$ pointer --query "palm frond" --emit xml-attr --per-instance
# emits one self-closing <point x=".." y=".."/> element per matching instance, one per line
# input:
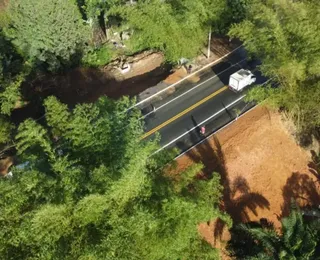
<point x="267" y="238"/>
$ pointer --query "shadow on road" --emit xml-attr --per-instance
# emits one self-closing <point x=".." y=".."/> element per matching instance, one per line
<point x="195" y="124"/>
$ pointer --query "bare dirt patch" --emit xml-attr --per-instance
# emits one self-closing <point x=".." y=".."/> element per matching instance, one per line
<point x="180" y="74"/>
<point x="261" y="167"/>
<point x="87" y="84"/>
<point x="5" y="164"/>
<point x="220" y="46"/>
<point x="147" y="70"/>
<point x="139" y="64"/>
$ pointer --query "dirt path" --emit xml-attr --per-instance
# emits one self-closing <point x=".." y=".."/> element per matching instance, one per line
<point x="261" y="168"/>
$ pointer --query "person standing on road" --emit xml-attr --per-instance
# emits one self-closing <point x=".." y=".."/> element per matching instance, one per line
<point x="202" y="130"/>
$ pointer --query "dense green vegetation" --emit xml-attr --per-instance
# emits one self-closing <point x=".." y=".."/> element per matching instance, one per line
<point x="298" y="239"/>
<point x="50" y="32"/>
<point x="12" y="73"/>
<point x="87" y="188"/>
<point x="178" y="28"/>
<point x="84" y="186"/>
<point x="285" y="35"/>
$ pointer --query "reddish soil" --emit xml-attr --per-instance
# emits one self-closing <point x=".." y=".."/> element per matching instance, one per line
<point x="261" y="167"/>
<point x="5" y="164"/>
<point x="180" y="74"/>
<point x="87" y="85"/>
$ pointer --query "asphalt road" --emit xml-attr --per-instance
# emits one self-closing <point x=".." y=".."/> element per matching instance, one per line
<point x="208" y="103"/>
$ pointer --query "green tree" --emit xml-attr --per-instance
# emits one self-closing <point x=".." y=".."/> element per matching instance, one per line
<point x="5" y="131"/>
<point x="235" y="12"/>
<point x="95" y="9"/>
<point x="298" y="239"/>
<point x="285" y="35"/>
<point x="49" y="32"/>
<point x="12" y="74"/>
<point x="178" y="28"/>
<point x="87" y="188"/>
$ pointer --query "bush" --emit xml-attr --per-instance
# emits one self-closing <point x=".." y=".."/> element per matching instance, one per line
<point x="98" y="56"/>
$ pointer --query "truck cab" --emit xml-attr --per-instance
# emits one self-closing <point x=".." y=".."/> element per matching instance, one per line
<point x="241" y="79"/>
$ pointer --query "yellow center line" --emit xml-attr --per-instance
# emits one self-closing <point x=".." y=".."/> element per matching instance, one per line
<point x="183" y="112"/>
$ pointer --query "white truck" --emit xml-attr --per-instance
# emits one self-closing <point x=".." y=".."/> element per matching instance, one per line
<point x="241" y="79"/>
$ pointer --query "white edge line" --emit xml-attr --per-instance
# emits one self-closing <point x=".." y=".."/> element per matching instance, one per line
<point x="215" y="114"/>
<point x="184" y="93"/>
<point x="213" y="133"/>
<point x="190" y="75"/>
<point x="209" y="136"/>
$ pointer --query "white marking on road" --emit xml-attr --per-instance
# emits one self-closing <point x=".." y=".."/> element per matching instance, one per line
<point x="190" y="75"/>
<point x="209" y="136"/>
<point x="225" y="126"/>
<point x="184" y="93"/>
<point x="204" y="121"/>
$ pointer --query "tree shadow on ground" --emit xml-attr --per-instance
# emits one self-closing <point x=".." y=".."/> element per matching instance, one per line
<point x="237" y="199"/>
<point x="83" y="85"/>
<point x="314" y="165"/>
<point x="88" y="84"/>
<point x="301" y="188"/>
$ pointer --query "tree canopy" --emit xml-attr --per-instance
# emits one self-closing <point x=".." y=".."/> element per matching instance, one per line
<point x="87" y="188"/>
<point x="12" y="72"/>
<point x="178" y="28"/>
<point x="49" y="32"/>
<point x="285" y="36"/>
